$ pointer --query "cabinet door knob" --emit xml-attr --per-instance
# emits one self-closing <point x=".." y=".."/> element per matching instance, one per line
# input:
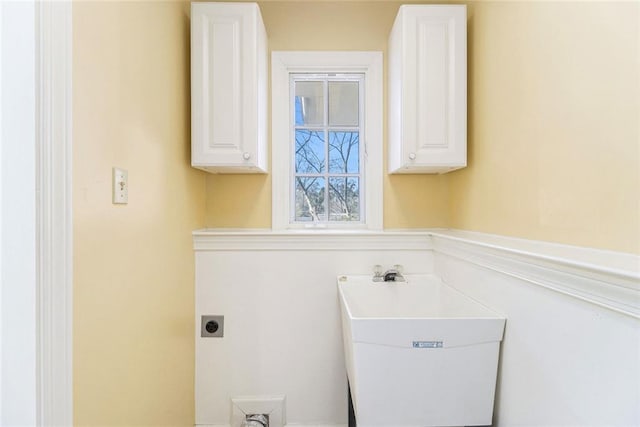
<point x="412" y="156"/>
<point x="246" y="155"/>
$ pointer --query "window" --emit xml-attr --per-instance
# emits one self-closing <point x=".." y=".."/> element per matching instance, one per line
<point x="327" y="170"/>
<point x="327" y="140"/>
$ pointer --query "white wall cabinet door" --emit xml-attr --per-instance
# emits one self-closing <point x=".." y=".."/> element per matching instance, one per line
<point x="228" y="88"/>
<point x="428" y="89"/>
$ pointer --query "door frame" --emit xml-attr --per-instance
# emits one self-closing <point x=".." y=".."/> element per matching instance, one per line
<point x="36" y="222"/>
<point x="54" y="210"/>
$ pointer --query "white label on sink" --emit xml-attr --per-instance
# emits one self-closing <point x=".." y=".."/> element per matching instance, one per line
<point x="427" y="344"/>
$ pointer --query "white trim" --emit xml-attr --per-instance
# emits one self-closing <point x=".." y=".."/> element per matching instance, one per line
<point x="612" y="283"/>
<point x="1" y="213"/>
<point x="605" y="278"/>
<point x="54" y="222"/>
<point x="325" y="240"/>
<point x="285" y="63"/>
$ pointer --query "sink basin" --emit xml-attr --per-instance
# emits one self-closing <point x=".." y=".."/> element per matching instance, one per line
<point x="418" y="353"/>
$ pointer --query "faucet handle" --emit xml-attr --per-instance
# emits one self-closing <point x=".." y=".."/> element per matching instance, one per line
<point x="399" y="268"/>
<point x="377" y="270"/>
<point x="378" y="273"/>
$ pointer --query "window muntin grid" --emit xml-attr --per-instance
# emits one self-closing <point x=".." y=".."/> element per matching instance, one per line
<point x="327" y="174"/>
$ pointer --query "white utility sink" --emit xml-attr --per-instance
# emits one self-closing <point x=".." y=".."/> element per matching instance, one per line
<point x="418" y="353"/>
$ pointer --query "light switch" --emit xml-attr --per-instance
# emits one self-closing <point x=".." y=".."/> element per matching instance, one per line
<point x="120" y="186"/>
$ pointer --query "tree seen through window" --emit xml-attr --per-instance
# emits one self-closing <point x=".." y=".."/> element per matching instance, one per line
<point x="328" y="153"/>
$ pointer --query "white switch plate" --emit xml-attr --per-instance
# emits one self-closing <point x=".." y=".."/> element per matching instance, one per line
<point x="120" y="186"/>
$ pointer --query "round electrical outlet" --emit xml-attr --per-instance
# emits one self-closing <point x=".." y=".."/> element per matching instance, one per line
<point x="212" y="326"/>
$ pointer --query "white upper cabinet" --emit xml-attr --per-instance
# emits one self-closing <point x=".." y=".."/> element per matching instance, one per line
<point x="228" y="88"/>
<point x="428" y="89"/>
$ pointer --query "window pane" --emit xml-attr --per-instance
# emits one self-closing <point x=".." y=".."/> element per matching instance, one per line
<point x="309" y="103"/>
<point x="310" y="196"/>
<point x="344" y="199"/>
<point x="343" y="104"/>
<point x="344" y="152"/>
<point x="310" y="151"/>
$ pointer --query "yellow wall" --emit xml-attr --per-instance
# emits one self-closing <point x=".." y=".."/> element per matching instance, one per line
<point x="410" y="200"/>
<point x="553" y="124"/>
<point x="133" y="264"/>
<point x="554" y="155"/>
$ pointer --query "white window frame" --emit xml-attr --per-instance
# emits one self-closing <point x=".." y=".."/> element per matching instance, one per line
<point x="283" y="64"/>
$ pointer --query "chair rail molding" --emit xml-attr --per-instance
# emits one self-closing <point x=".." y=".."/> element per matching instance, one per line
<point x="605" y="278"/>
<point x="267" y="240"/>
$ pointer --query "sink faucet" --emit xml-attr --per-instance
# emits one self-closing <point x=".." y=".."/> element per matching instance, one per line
<point x="392" y="275"/>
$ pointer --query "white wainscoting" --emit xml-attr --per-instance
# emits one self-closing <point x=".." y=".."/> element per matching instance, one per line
<point x="571" y="350"/>
<point x="282" y="331"/>
<point x="570" y="356"/>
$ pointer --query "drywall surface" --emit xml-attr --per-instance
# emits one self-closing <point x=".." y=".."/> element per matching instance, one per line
<point x="554" y="140"/>
<point x="410" y="201"/>
<point x="133" y="264"/>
